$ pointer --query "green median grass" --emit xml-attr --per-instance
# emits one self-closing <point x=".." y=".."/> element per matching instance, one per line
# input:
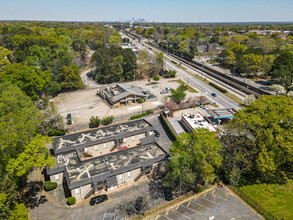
<point x="276" y="199"/>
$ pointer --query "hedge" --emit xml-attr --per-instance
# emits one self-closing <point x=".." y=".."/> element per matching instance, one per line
<point x="141" y="115"/>
<point x="56" y="132"/>
<point x="71" y="200"/>
<point x="168" y="127"/>
<point x="218" y="87"/>
<point x="50" y="185"/>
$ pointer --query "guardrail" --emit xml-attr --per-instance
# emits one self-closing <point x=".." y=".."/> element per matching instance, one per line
<point x="253" y="204"/>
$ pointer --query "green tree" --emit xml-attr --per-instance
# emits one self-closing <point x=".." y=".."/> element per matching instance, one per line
<point x="178" y="95"/>
<point x="4" y="56"/>
<point x="250" y="64"/>
<point x="160" y="61"/>
<point x="19" y="121"/>
<point x="194" y="159"/>
<point x="156" y="77"/>
<point x="30" y="79"/>
<point x="35" y="154"/>
<point x="282" y="69"/>
<point x="115" y="39"/>
<point x="70" y="78"/>
<point x="267" y="123"/>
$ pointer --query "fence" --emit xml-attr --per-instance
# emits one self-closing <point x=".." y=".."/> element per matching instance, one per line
<point x="253" y="204"/>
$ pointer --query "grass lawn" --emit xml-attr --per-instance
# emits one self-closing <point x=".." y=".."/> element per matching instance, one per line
<point x="276" y="199"/>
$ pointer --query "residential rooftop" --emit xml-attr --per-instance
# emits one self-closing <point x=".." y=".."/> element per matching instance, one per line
<point x="86" y="138"/>
<point x="100" y="168"/>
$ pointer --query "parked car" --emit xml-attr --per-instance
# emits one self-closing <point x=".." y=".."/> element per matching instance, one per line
<point x="163" y="92"/>
<point x="155" y="86"/>
<point x="98" y="199"/>
<point x="168" y="89"/>
<point x="157" y="134"/>
<point x="168" y="193"/>
<point x="214" y="94"/>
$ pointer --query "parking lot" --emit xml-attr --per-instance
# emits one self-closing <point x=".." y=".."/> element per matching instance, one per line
<point x="83" y="104"/>
<point x="218" y="203"/>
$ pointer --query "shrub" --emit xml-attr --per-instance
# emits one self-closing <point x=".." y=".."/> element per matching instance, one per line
<point x="71" y="200"/>
<point x="50" y="185"/>
<point x="150" y="112"/>
<point x="140" y="101"/>
<point x="141" y="115"/>
<point x="56" y="132"/>
<point x="218" y="87"/>
<point x="94" y="122"/>
<point x="168" y="127"/>
<point x="156" y="77"/>
<point x="107" y="120"/>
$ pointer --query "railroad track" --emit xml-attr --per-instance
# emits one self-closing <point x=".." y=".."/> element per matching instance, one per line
<point x="234" y="83"/>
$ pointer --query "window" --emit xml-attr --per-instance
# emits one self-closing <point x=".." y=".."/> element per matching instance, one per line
<point x="120" y="177"/>
<point x="133" y="138"/>
<point x="129" y="174"/>
<point x="85" y="149"/>
<point x="77" y="191"/>
<point x="124" y="140"/>
<point x="56" y="177"/>
<point x="96" y="147"/>
<point x="104" y="145"/>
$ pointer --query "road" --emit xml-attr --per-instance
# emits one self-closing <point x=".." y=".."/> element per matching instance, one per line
<point x="221" y="100"/>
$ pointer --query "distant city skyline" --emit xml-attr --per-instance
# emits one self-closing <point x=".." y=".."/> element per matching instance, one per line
<point x="151" y="10"/>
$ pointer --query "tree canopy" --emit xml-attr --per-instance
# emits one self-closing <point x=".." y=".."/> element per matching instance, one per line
<point x="195" y="157"/>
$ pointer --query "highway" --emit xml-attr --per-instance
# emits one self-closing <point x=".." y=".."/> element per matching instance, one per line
<point x="221" y="100"/>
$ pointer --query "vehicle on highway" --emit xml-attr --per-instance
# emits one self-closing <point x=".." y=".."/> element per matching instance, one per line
<point x="214" y="94"/>
<point x="155" y="86"/>
<point x="157" y="134"/>
<point x="98" y="199"/>
<point x="168" y="193"/>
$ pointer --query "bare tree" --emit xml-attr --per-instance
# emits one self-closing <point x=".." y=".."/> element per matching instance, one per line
<point x="136" y="204"/>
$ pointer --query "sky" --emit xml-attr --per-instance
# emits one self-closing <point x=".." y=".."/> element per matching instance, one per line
<point x="150" y="10"/>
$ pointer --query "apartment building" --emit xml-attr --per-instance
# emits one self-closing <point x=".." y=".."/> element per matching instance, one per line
<point x="106" y="158"/>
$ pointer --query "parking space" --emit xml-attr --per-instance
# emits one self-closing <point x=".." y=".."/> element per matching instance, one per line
<point x="218" y="203"/>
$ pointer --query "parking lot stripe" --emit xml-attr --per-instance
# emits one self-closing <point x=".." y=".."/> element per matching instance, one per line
<point x="204" y="195"/>
<point x="166" y="217"/>
<point x="195" y="198"/>
<point x="213" y="191"/>
<point x="181" y="214"/>
<point x="191" y="209"/>
<point x="188" y="204"/>
<point x="200" y="205"/>
<point x="220" y="197"/>
<point x="209" y="200"/>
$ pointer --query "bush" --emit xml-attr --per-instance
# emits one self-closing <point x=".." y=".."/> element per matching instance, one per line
<point x="56" y="132"/>
<point x="71" y="200"/>
<point x="94" y="122"/>
<point x="168" y="127"/>
<point x="218" y="87"/>
<point x="107" y="120"/>
<point x="141" y="115"/>
<point x="150" y="112"/>
<point x="50" y="185"/>
<point x="140" y="101"/>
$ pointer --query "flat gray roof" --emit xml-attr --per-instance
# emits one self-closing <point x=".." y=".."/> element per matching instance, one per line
<point x="100" y="135"/>
<point x="100" y="168"/>
<point x="222" y="113"/>
<point x="118" y="91"/>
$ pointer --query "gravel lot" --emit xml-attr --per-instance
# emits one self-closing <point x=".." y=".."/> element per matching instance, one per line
<point x="83" y="104"/>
